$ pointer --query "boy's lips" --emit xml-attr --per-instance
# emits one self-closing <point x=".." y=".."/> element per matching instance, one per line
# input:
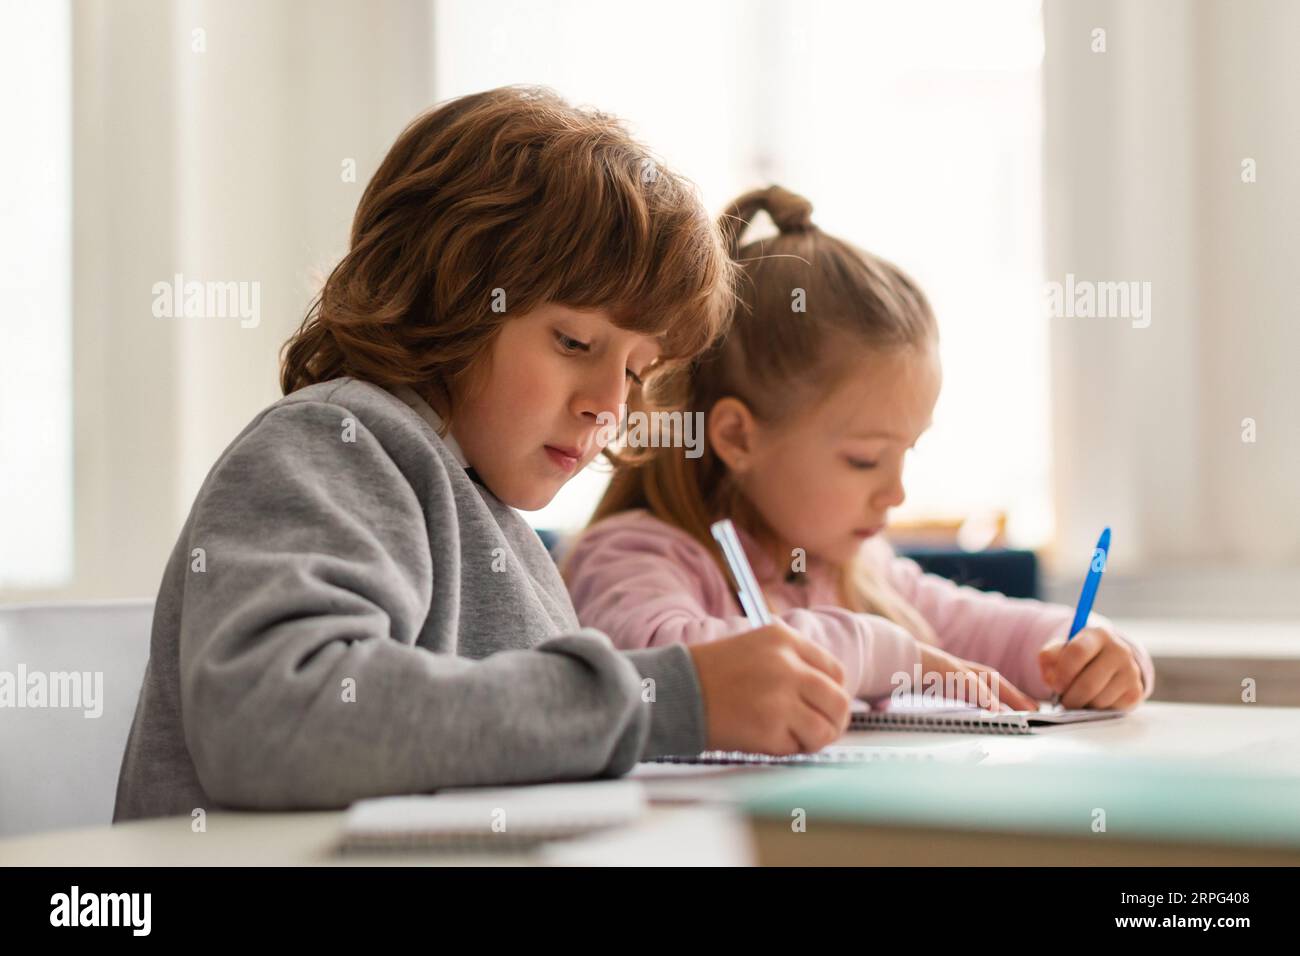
<point x="566" y="458"/>
<point x="868" y="532"/>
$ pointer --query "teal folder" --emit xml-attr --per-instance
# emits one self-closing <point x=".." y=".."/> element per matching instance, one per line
<point x="1124" y="798"/>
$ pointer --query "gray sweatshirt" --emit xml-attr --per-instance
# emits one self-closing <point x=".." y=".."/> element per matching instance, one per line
<point x="348" y="613"/>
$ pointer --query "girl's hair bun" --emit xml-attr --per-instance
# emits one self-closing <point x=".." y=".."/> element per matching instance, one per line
<point x="789" y="211"/>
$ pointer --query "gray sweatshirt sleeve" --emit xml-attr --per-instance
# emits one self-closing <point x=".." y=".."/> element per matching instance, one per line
<point x="301" y="682"/>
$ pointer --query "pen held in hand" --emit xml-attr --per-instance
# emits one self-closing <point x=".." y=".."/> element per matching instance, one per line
<point x="751" y="596"/>
<point x="1090" y="583"/>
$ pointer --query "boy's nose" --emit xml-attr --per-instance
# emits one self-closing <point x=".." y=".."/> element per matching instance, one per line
<point x="604" y="396"/>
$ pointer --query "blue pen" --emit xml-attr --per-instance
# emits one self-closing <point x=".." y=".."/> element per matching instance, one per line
<point x="1090" y="584"/>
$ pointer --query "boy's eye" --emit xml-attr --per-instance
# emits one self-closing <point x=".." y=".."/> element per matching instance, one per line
<point x="569" y="344"/>
<point x="859" y="463"/>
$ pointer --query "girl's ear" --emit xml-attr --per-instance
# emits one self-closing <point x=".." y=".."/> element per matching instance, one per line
<point x="733" y="433"/>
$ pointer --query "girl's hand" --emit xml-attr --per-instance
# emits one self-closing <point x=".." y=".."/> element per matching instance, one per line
<point x="973" y="682"/>
<point x="1096" y="669"/>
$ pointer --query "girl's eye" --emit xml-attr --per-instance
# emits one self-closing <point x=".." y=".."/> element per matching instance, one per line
<point x="634" y="377"/>
<point x="863" y="465"/>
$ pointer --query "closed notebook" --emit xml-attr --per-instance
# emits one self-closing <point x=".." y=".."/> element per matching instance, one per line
<point x="491" y="818"/>
<point x="940" y="715"/>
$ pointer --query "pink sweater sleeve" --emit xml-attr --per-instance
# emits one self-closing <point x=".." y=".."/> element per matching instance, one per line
<point x="646" y="584"/>
<point x="991" y="628"/>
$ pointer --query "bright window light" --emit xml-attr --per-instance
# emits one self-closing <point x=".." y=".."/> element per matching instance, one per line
<point x="917" y="143"/>
<point x="35" y="276"/>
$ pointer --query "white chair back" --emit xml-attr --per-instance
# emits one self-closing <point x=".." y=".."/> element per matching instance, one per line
<point x="70" y="675"/>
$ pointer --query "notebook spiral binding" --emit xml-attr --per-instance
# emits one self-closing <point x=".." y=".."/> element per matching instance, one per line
<point x="983" y="725"/>
<point x="837" y="759"/>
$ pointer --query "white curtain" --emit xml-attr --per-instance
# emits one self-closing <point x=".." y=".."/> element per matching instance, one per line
<point x="210" y="140"/>
<point x="1146" y="146"/>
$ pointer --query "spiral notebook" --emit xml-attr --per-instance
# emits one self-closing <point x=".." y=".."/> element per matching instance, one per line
<point x="839" y="755"/>
<point x="913" y="714"/>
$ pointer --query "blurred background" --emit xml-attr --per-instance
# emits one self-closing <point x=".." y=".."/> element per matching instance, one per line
<point x="989" y="148"/>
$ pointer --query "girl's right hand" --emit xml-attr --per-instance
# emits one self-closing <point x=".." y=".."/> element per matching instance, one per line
<point x="973" y="682"/>
<point x="770" y="691"/>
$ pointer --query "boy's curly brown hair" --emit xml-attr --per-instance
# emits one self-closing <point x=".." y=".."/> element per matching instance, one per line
<point x="513" y="197"/>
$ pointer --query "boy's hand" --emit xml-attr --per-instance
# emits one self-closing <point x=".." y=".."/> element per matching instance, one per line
<point x="1096" y="670"/>
<point x="771" y="691"/>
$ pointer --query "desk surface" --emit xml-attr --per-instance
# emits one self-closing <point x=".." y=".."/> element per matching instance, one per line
<point x="1246" y="735"/>
<point x="682" y="835"/>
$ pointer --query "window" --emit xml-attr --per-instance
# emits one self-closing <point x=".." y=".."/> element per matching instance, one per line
<point x="35" y="273"/>
<point x="917" y="143"/>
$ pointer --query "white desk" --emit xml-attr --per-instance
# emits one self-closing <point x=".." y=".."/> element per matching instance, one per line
<point x="1245" y="735"/>
<point x="668" y="835"/>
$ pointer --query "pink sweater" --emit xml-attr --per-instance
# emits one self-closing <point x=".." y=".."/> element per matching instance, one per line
<point x="646" y="583"/>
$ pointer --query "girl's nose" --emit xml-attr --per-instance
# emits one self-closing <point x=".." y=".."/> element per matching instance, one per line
<point x="892" y="495"/>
